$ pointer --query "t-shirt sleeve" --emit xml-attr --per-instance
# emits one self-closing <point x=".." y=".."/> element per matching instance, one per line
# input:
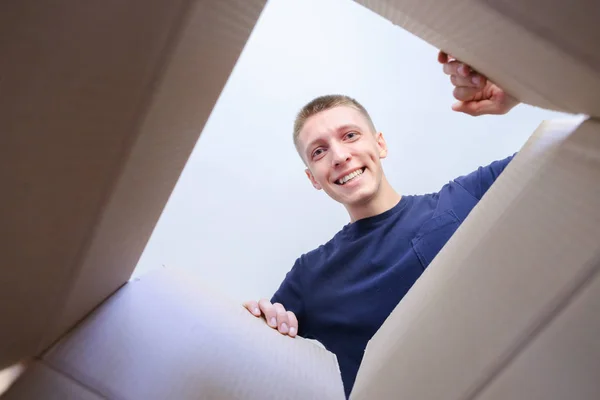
<point x="290" y="294"/>
<point x="479" y="181"/>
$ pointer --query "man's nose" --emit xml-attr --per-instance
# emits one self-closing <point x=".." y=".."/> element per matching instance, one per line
<point x="340" y="155"/>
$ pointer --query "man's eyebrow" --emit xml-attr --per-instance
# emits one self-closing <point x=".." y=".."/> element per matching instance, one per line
<point x="348" y="127"/>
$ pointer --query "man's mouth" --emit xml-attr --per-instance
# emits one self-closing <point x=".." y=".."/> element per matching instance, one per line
<point x="350" y="176"/>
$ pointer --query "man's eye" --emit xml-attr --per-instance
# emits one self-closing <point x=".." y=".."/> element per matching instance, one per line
<point x="317" y="152"/>
<point x="351" y="135"/>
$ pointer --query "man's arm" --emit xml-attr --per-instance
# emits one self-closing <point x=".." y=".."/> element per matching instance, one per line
<point x="480" y="180"/>
<point x="476" y="96"/>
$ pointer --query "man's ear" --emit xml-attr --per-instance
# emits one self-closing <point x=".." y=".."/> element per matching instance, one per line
<point x="312" y="179"/>
<point x="381" y="145"/>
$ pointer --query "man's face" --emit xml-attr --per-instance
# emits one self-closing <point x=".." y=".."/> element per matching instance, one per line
<point x="343" y="155"/>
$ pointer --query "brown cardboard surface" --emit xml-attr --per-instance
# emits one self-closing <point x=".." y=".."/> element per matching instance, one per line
<point x="168" y="336"/>
<point x="42" y="383"/>
<point x="563" y="362"/>
<point x="543" y="52"/>
<point x="523" y="254"/>
<point x="101" y="103"/>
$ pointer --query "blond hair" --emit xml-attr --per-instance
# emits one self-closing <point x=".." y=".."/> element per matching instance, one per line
<point x="323" y="103"/>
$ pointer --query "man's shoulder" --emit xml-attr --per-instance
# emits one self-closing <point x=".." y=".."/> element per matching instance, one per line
<point x="479" y="180"/>
<point x="319" y="254"/>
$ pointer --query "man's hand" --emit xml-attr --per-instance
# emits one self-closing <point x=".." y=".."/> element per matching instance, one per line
<point x="475" y="94"/>
<point x="275" y="315"/>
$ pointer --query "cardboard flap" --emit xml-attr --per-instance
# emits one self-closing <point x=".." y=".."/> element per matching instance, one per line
<point x="167" y="336"/>
<point x="101" y="103"/>
<point x="564" y="360"/>
<point x="523" y="253"/>
<point x="42" y="383"/>
<point x="543" y="52"/>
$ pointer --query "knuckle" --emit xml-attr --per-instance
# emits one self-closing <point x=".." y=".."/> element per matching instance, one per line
<point x="454" y="80"/>
<point x="456" y="93"/>
<point x="292" y="318"/>
<point x="269" y="312"/>
<point x="462" y="93"/>
<point x="282" y="315"/>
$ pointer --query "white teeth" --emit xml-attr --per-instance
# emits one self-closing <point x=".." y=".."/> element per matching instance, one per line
<point x="351" y="175"/>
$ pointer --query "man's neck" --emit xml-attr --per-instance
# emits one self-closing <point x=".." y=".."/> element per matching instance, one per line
<point x="385" y="199"/>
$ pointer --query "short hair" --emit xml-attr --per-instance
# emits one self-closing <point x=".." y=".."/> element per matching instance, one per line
<point x="323" y="103"/>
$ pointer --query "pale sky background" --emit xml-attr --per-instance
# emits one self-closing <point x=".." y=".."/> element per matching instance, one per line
<point x="243" y="210"/>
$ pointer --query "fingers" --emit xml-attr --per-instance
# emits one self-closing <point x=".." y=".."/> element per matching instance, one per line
<point x="484" y="107"/>
<point x="475" y="108"/>
<point x="293" y="324"/>
<point x="475" y="94"/>
<point x="465" y="93"/>
<point x="276" y="316"/>
<point x="463" y="75"/>
<point x="456" y="68"/>
<point x="443" y="57"/>
<point x="474" y="80"/>
<point x="252" y="306"/>
<point x="269" y="312"/>
<point x="283" y="323"/>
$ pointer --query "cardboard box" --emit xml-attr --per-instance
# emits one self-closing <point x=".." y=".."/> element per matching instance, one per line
<point x="104" y="105"/>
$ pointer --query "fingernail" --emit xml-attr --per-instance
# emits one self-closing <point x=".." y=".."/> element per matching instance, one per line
<point x="292" y="331"/>
<point x="284" y="328"/>
<point x="257" y="311"/>
<point x="476" y="80"/>
<point x="273" y="322"/>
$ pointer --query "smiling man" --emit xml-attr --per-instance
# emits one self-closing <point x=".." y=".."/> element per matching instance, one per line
<point x="342" y="292"/>
<point x="338" y="142"/>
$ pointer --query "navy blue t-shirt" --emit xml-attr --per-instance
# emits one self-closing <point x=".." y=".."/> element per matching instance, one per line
<point x="343" y="291"/>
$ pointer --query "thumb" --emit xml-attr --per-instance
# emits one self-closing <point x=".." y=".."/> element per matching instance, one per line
<point x="475" y="108"/>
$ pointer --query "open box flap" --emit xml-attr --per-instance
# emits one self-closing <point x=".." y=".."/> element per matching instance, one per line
<point x="543" y="52"/>
<point x="101" y="104"/>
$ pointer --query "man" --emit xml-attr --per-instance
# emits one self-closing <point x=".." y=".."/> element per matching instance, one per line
<point x="341" y="292"/>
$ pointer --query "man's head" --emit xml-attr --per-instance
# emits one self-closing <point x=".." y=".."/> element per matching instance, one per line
<point x="337" y="141"/>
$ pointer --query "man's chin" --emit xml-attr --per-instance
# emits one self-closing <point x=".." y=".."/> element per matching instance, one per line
<point x="358" y="199"/>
